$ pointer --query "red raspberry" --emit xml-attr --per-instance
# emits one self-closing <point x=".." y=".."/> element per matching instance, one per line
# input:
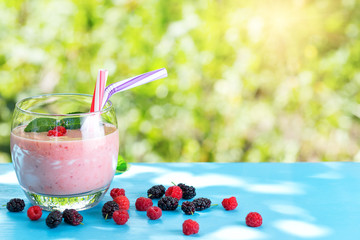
<point x="142" y="203"/>
<point x="120" y="217"/>
<point x="154" y="212"/>
<point x="123" y="202"/>
<point x="190" y="227"/>
<point x="60" y="129"/>
<point x="230" y="203"/>
<point x="55" y="133"/>
<point x="253" y="219"/>
<point x="174" y="191"/>
<point x="34" y="213"/>
<point x="115" y="192"/>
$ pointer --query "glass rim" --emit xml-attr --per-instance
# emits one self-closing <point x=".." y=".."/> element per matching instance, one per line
<point x="60" y="115"/>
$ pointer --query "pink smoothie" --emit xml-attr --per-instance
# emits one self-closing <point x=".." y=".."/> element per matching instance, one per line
<point x="64" y="165"/>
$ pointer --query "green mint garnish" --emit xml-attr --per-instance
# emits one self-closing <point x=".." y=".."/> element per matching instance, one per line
<point x="46" y="124"/>
<point x="41" y="125"/>
<point x="71" y="123"/>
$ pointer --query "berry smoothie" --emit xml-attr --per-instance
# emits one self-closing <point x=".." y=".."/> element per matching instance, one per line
<point x="66" y="165"/>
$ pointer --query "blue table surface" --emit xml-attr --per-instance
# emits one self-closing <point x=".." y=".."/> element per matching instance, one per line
<point x="296" y="201"/>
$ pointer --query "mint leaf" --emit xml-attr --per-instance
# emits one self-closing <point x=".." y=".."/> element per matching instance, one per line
<point x="122" y="165"/>
<point x="71" y="123"/>
<point x="41" y="125"/>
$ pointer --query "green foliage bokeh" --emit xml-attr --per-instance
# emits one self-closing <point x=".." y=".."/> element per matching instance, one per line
<point x="248" y="80"/>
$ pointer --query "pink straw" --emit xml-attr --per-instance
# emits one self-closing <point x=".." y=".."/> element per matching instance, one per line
<point x="132" y="82"/>
<point x="99" y="90"/>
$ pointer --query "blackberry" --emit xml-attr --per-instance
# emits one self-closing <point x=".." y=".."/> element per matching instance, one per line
<point x="15" y="205"/>
<point x="109" y="208"/>
<point x="188" y="191"/>
<point x="54" y="219"/>
<point x="72" y="217"/>
<point x="201" y="203"/>
<point x="188" y="208"/>
<point x="156" y="191"/>
<point x="168" y="203"/>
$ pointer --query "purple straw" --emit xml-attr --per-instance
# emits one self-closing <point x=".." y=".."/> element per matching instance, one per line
<point x="132" y="82"/>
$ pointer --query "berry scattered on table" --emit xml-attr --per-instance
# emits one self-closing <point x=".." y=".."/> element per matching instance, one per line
<point x="54" y="219"/>
<point x="15" y="205"/>
<point x="121" y="217"/>
<point x="229" y="203"/>
<point x="123" y="202"/>
<point x="142" y="203"/>
<point x="201" y="203"/>
<point x="253" y="219"/>
<point x="174" y="191"/>
<point x="168" y="203"/>
<point x="154" y="212"/>
<point x="109" y="208"/>
<point x="34" y="213"/>
<point x="188" y="192"/>
<point x="115" y="192"/>
<point x="190" y="227"/>
<point x="156" y="191"/>
<point x="188" y="208"/>
<point x="72" y="217"/>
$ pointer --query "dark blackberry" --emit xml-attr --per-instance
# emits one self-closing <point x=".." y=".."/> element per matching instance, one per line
<point x="188" y="191"/>
<point x="109" y="208"/>
<point x="72" y="217"/>
<point x="15" y="205"/>
<point x="156" y="191"/>
<point x="201" y="203"/>
<point x="188" y="208"/>
<point x="54" y="219"/>
<point x="168" y="203"/>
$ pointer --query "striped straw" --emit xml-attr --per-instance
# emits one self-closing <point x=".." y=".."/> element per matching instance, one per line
<point x="132" y="82"/>
<point x="99" y="90"/>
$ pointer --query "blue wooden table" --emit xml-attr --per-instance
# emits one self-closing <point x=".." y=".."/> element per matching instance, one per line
<point x="297" y="201"/>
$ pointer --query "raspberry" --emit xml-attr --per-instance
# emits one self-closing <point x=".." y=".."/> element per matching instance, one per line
<point x="55" y="133"/>
<point x="15" y="205"/>
<point x="201" y="203"/>
<point x="109" y="208"/>
<point x="72" y="217"/>
<point x="115" y="192"/>
<point x="54" y="219"/>
<point x="188" y="191"/>
<point x="229" y="203"/>
<point x="121" y="217"/>
<point x="188" y="208"/>
<point x="60" y="129"/>
<point x="34" y="213"/>
<point x="253" y="219"/>
<point x="174" y="191"/>
<point x="154" y="212"/>
<point x="156" y="191"/>
<point x="123" y="202"/>
<point x="168" y="203"/>
<point x="142" y="203"/>
<point x="190" y="227"/>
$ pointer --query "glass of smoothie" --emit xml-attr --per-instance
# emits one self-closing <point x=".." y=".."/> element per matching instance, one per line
<point x="64" y="156"/>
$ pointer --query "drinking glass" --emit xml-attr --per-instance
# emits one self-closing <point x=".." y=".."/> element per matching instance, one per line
<point x="64" y="156"/>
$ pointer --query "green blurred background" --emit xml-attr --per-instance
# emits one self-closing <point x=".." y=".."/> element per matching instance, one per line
<point x="248" y="81"/>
